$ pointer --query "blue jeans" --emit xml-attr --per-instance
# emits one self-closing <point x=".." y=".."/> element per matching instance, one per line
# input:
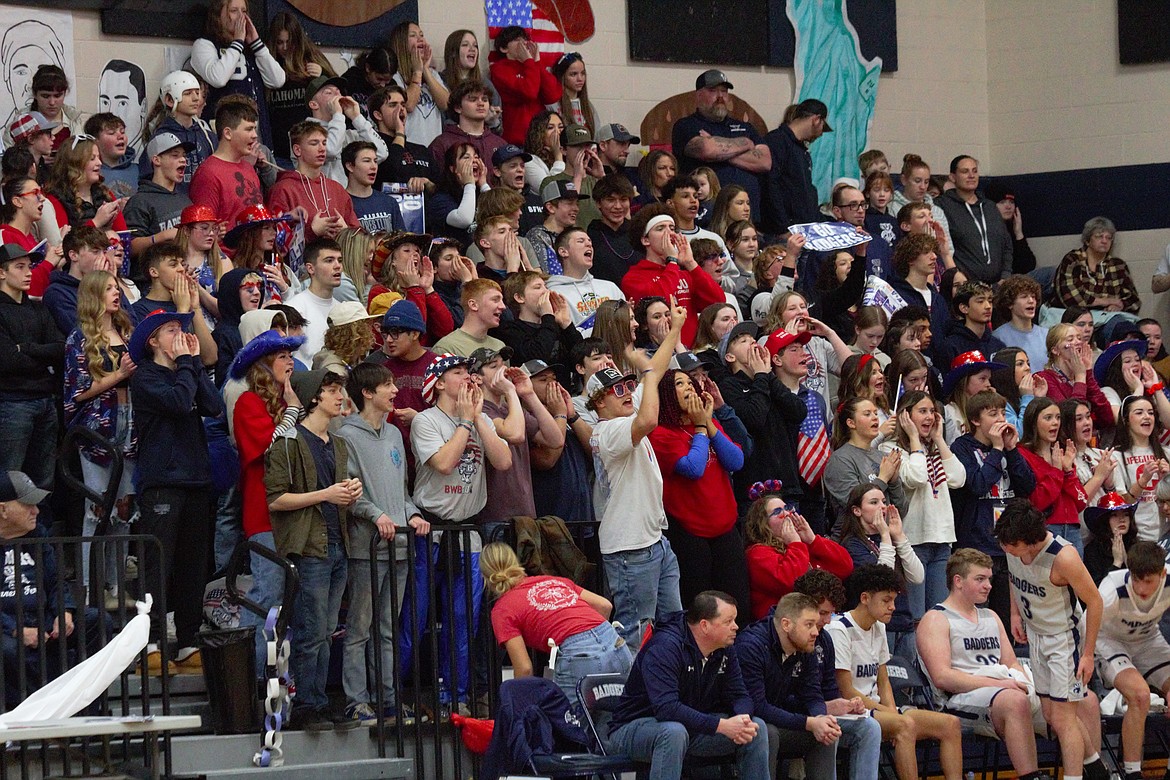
<point x="933" y="589"/>
<point x="862" y="742"/>
<point x="643" y="585"/>
<point x="820" y="761"/>
<point x="595" y="651"/>
<point x="357" y="671"/>
<point x="28" y="439"/>
<point x="229" y="528"/>
<point x="1072" y="533"/>
<point x="449" y="616"/>
<point x="267" y="590"/>
<point x="665" y="745"/>
<point x="314" y="619"/>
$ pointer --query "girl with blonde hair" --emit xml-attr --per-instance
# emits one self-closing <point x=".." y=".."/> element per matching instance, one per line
<point x="536" y="611"/>
<point x="97" y="397"/>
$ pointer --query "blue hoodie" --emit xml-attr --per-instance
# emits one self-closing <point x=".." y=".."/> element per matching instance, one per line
<point x="784" y="691"/>
<point x="670" y="681"/>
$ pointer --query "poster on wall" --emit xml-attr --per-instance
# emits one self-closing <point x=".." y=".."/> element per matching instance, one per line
<point x="122" y="92"/>
<point x="29" y="38"/>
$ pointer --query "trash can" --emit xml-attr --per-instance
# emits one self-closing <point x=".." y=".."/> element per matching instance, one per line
<point x="229" y="670"/>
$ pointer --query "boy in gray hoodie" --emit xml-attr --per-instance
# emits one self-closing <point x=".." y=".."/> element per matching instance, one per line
<point x="377" y="457"/>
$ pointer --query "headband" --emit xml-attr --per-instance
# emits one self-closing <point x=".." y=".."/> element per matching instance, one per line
<point x="865" y="358"/>
<point x="656" y="221"/>
<point x="766" y="488"/>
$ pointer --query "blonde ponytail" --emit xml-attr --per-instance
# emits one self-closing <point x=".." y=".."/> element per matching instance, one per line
<point x="501" y="568"/>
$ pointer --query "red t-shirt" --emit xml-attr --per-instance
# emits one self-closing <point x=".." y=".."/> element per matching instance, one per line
<point x="228" y="188"/>
<point x="253" y="428"/>
<point x="543" y="608"/>
<point x="704" y="507"/>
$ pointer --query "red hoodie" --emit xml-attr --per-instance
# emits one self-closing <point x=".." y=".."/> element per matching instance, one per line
<point x="525" y="89"/>
<point x="695" y="290"/>
<point x="294" y="189"/>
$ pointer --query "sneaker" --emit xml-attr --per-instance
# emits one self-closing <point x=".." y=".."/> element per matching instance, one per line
<point x="1096" y="771"/>
<point x="312" y="720"/>
<point x="409" y="715"/>
<point x="363" y="713"/>
<point x="155" y="665"/>
<point x="189" y="661"/>
<point x="343" y="721"/>
<point x="131" y="567"/>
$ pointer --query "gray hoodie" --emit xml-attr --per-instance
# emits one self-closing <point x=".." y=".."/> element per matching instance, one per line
<point x="584" y="295"/>
<point x="154" y="208"/>
<point x="378" y="459"/>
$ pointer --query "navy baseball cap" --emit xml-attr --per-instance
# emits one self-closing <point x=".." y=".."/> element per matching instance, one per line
<point x="507" y="152"/>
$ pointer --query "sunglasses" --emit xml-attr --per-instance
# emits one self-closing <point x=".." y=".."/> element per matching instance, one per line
<point x="79" y="138"/>
<point x="37" y="193"/>
<point x="624" y="388"/>
<point x="780" y="511"/>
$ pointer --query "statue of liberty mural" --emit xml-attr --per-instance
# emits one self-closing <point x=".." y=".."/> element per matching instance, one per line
<point x="830" y="68"/>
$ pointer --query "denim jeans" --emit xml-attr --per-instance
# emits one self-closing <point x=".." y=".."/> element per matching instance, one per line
<point x="267" y="590"/>
<point x="449" y="616"/>
<point x="594" y="651"/>
<point x="229" y="525"/>
<point x="820" y="761"/>
<point x="933" y="589"/>
<point x="357" y="671"/>
<point x="665" y="745"/>
<point x="28" y="439"/>
<point x="97" y="477"/>
<point x="1072" y="533"/>
<point x="643" y="585"/>
<point x="314" y="619"/>
<point x="861" y="740"/>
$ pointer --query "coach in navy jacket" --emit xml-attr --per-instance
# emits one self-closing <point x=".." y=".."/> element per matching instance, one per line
<point x="780" y="669"/>
<point x="685" y="694"/>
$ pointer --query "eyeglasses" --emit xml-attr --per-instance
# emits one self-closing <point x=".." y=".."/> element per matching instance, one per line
<point x="624" y="388"/>
<point x="852" y="206"/>
<point x="79" y="138"/>
<point x="393" y="333"/>
<point x="204" y="227"/>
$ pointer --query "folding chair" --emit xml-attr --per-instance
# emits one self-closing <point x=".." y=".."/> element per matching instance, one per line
<point x="599" y="695"/>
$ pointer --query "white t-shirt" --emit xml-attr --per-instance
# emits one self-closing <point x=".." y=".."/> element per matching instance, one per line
<point x="315" y="310"/>
<point x="859" y="652"/>
<point x="629" y="487"/>
<point x="425" y="123"/>
<point x="457" y="496"/>
<point x="1125" y="474"/>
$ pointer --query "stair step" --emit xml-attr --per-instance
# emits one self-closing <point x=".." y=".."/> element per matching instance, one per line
<point x="191" y="755"/>
<point x="360" y="769"/>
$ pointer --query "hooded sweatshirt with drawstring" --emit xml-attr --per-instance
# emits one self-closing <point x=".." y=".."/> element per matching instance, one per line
<point x="584" y="296"/>
<point x="316" y="195"/>
<point x="227" y="330"/>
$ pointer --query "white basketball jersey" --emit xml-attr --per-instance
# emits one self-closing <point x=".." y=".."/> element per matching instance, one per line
<point x="1047" y="609"/>
<point x="1124" y="619"/>
<point x="974" y="646"/>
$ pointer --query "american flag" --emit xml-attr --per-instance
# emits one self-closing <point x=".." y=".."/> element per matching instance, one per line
<point x="525" y="13"/>
<point x="812" y="445"/>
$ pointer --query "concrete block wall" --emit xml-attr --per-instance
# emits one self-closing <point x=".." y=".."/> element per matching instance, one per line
<point x="1023" y="85"/>
<point x="1058" y="99"/>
